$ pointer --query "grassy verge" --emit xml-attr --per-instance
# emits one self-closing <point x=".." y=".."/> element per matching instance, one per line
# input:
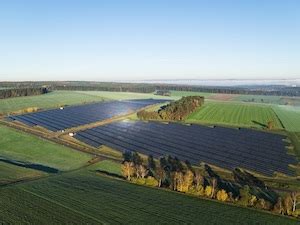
<point x="25" y="148"/>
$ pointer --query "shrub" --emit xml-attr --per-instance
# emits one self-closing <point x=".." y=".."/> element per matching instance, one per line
<point x="151" y="181"/>
<point x="140" y="181"/>
<point x="208" y="191"/>
<point x="222" y="195"/>
<point x="197" y="191"/>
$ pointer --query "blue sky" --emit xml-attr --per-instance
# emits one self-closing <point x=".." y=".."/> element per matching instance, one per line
<point x="121" y="40"/>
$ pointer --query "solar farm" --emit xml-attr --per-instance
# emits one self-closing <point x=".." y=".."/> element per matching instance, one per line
<point x="74" y="116"/>
<point x="79" y="151"/>
<point x="228" y="148"/>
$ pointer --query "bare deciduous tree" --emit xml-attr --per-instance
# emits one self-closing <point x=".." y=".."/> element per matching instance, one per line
<point x="128" y="170"/>
<point x="295" y="198"/>
<point x="214" y="184"/>
<point x="160" y="175"/>
<point x="199" y="179"/>
<point x="142" y="171"/>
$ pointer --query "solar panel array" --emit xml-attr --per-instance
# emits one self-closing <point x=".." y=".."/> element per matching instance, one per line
<point x="228" y="148"/>
<point x="73" y="116"/>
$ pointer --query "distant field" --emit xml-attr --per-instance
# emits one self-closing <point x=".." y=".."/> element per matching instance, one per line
<point x="26" y="148"/>
<point x="232" y="97"/>
<point x="50" y="100"/>
<point x="236" y="114"/>
<point x="259" y="99"/>
<point x="265" y="99"/>
<point x="289" y="116"/>
<point x="294" y="101"/>
<point x="58" y="98"/>
<point x="91" y="199"/>
<point x="122" y="95"/>
<point x="189" y="93"/>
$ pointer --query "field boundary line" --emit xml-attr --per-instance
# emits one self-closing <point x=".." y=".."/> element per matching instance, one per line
<point x="278" y="117"/>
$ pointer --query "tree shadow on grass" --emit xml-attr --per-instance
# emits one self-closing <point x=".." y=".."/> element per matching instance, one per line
<point x="30" y="165"/>
<point x="110" y="174"/>
<point x="259" y="123"/>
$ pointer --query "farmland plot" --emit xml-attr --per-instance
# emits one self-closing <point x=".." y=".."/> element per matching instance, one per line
<point x="50" y="100"/>
<point x="91" y="199"/>
<point x="235" y="114"/>
<point x="289" y="116"/>
<point x="10" y="173"/>
<point x="23" y="149"/>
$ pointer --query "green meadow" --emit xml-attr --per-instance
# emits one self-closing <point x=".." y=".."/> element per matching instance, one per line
<point x="26" y="148"/>
<point x="235" y="114"/>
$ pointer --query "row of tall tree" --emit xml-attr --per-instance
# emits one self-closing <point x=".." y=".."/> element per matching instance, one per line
<point x="169" y="172"/>
<point x="18" y="92"/>
<point x="176" y="110"/>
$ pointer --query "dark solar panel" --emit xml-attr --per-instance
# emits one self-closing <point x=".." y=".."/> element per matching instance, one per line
<point x="73" y="116"/>
<point x="225" y="147"/>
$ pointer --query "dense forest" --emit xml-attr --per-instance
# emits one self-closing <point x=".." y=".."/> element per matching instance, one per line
<point x="176" y="110"/>
<point x="18" y="92"/>
<point x="278" y="90"/>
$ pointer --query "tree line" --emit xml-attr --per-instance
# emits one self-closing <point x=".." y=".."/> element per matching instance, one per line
<point x="278" y="90"/>
<point x="10" y="93"/>
<point x="171" y="173"/>
<point x="176" y="110"/>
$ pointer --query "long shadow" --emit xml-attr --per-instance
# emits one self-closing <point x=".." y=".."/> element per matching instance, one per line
<point x="39" y="167"/>
<point x="222" y="183"/>
<point x="110" y="174"/>
<point x="259" y="123"/>
<point x="257" y="186"/>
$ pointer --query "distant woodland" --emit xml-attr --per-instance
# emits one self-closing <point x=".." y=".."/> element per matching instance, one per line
<point x="18" y="92"/>
<point x="176" y="110"/>
<point x="149" y="88"/>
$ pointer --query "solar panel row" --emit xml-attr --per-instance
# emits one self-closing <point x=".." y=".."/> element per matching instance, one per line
<point x="73" y="116"/>
<point x="228" y="148"/>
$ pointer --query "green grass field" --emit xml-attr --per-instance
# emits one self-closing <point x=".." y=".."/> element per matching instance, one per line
<point x="235" y="114"/>
<point x="58" y="98"/>
<point x="50" y="100"/>
<point x="87" y="198"/>
<point x="10" y="173"/>
<point x="107" y="166"/>
<point x="122" y="95"/>
<point x="289" y="116"/>
<point x="16" y="145"/>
